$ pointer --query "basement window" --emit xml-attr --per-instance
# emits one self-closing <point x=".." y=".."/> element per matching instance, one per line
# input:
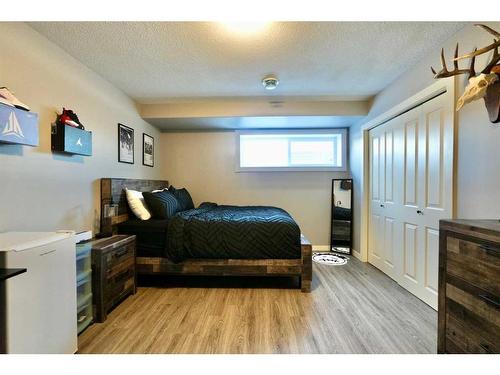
<point x="291" y="150"/>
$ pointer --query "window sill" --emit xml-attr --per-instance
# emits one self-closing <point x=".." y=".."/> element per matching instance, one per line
<point x="290" y="169"/>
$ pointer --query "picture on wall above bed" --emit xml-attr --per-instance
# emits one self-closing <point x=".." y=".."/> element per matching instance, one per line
<point x="125" y="144"/>
<point x="148" y="144"/>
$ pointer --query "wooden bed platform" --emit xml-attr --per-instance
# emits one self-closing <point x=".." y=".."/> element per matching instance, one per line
<point x="112" y="191"/>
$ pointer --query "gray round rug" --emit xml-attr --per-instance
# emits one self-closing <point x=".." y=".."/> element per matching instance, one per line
<point x="329" y="259"/>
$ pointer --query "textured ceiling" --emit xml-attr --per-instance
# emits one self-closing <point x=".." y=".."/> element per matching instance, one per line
<point x="153" y="61"/>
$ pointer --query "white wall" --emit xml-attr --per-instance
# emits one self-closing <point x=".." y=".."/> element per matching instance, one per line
<point x="40" y="190"/>
<point x="204" y="162"/>
<point x="478" y="140"/>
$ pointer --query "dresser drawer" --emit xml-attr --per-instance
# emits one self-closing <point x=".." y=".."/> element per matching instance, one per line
<point x="115" y="299"/>
<point x="475" y="262"/>
<point x="120" y="255"/>
<point x="463" y="339"/>
<point x="469" y="332"/>
<point x="126" y="284"/>
<point x="118" y="268"/>
<point x="485" y="306"/>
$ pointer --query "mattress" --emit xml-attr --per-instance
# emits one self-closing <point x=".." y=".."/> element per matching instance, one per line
<point x="151" y="236"/>
<point x="214" y="231"/>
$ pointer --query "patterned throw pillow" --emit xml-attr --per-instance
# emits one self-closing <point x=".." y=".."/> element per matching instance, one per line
<point x="183" y="197"/>
<point x="162" y="205"/>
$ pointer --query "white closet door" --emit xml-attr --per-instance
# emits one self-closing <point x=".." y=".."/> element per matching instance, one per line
<point x="376" y="199"/>
<point x="409" y="171"/>
<point x="411" y="190"/>
<point x="383" y="197"/>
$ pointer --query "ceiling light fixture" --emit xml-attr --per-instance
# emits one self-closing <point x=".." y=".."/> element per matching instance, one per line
<point x="246" y="28"/>
<point x="270" y="82"/>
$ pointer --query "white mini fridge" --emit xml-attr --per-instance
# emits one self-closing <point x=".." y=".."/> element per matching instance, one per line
<point x="38" y="307"/>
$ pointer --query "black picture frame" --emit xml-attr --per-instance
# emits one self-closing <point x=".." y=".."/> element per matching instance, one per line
<point x="146" y="153"/>
<point x="125" y="141"/>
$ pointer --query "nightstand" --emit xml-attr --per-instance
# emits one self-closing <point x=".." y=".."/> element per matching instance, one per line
<point x="113" y="273"/>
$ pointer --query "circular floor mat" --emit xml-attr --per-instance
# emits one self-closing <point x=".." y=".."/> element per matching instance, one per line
<point x="329" y="259"/>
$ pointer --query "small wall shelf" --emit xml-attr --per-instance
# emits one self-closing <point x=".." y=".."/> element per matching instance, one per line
<point x="18" y="126"/>
<point x="71" y="140"/>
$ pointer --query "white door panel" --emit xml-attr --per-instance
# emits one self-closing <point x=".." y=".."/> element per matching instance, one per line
<point x="434" y="160"/>
<point x="431" y="260"/>
<point x="411" y="182"/>
<point x="410" y="165"/>
<point x="389" y="167"/>
<point x="375" y="158"/>
<point x="410" y="252"/>
<point x="389" y="241"/>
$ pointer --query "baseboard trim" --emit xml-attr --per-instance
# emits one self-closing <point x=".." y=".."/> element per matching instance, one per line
<point x="357" y="254"/>
<point x="321" y="248"/>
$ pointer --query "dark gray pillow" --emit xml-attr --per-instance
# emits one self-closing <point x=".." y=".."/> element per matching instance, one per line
<point x="183" y="197"/>
<point x="162" y="205"/>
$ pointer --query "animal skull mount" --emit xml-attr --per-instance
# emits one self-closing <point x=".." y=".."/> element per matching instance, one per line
<point x="476" y="89"/>
<point x="486" y="84"/>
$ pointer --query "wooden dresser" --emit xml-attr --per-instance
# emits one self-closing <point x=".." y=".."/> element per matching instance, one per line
<point x="469" y="286"/>
<point x="113" y="272"/>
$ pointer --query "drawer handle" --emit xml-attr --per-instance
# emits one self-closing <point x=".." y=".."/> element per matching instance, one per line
<point x="122" y="275"/>
<point x="121" y="252"/>
<point x="490" y="300"/>
<point x="489" y="249"/>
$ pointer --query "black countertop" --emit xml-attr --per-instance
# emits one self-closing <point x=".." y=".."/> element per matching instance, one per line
<point x="6" y="273"/>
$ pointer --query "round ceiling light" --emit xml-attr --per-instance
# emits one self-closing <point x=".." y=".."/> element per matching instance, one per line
<point x="246" y="28"/>
<point x="270" y="82"/>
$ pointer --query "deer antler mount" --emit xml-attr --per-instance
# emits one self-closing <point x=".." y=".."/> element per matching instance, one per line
<point x="484" y="85"/>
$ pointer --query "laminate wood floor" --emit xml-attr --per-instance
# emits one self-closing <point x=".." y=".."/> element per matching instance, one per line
<point x="352" y="309"/>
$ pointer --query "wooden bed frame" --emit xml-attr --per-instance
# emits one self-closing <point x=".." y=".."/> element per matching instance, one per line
<point x="113" y="191"/>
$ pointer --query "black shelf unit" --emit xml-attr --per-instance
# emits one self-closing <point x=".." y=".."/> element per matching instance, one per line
<point x="71" y="140"/>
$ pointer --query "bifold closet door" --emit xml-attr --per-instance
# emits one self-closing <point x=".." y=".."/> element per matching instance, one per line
<point x="411" y="181"/>
<point x="383" y="198"/>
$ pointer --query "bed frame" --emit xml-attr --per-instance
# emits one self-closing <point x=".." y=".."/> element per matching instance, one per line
<point x="113" y="191"/>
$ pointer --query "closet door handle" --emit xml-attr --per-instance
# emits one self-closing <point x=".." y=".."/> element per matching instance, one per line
<point x="382" y="206"/>
<point x="420" y="212"/>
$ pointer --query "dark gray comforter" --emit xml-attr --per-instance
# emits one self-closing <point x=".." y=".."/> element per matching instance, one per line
<point x="233" y="232"/>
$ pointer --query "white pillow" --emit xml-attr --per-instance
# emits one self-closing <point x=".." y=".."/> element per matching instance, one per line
<point x="137" y="205"/>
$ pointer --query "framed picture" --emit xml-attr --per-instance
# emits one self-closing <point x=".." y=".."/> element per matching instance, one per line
<point x="148" y="150"/>
<point x="125" y="144"/>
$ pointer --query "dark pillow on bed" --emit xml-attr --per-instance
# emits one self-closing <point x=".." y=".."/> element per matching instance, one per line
<point x="183" y="197"/>
<point x="162" y="204"/>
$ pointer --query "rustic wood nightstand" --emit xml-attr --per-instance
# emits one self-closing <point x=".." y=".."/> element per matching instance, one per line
<point x="113" y="273"/>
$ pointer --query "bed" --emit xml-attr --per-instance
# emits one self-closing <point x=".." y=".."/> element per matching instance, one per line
<point x="212" y="239"/>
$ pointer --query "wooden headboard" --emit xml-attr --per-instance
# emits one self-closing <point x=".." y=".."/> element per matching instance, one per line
<point x="113" y="191"/>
